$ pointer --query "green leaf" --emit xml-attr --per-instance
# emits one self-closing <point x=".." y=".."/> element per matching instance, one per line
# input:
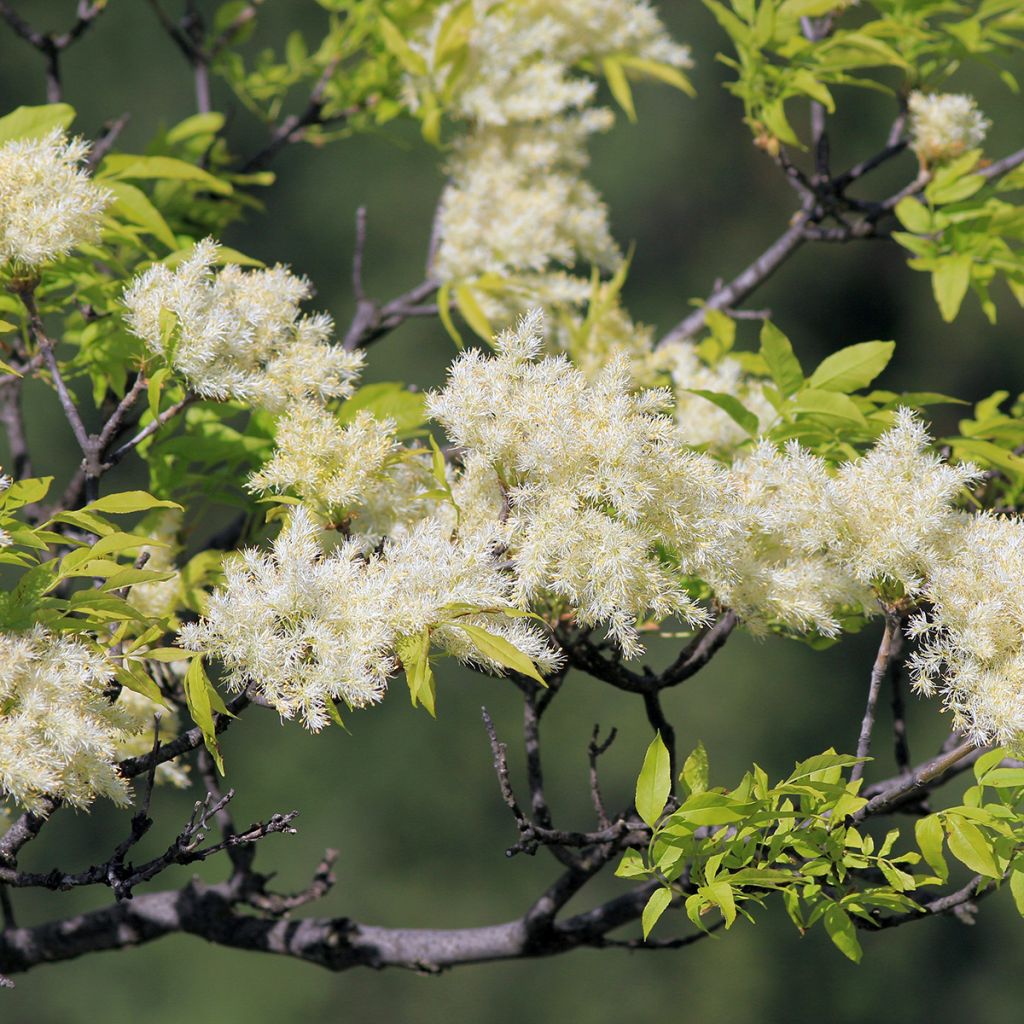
<point x="197" y="124"/>
<point x="968" y="844"/>
<point x="696" y="769"/>
<point x="471" y="312"/>
<point x="166" y="654"/>
<point x="828" y="405"/>
<point x="654" y="782"/>
<point x="27" y="491"/>
<point x="1004" y="778"/>
<point x="128" y="501"/>
<point x="1017" y="889"/>
<point x="133" y="678"/>
<point x="930" y="836"/>
<point x="721" y="894"/>
<point x="387" y="400"/>
<point x="783" y="364"/>
<point x="914" y="215"/>
<point x="985" y="453"/>
<point x="498" y="649"/>
<point x="853" y="367"/>
<point x="395" y="42"/>
<point x="133" y="205"/>
<point x="655" y="69"/>
<point x="444" y="309"/>
<point x="632" y="866"/>
<point x="842" y="932"/>
<point x="822" y="762"/>
<point x="35" y="122"/>
<point x="732" y="407"/>
<point x="197" y="696"/>
<point x="619" y="85"/>
<point x="414" y="653"/>
<point x="950" y="281"/>
<point x="162" y="168"/>
<point x="656" y="906"/>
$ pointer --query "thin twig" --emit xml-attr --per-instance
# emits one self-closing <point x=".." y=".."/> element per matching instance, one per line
<point x="878" y="671"/>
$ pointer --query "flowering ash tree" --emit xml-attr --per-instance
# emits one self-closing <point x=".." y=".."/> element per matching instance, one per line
<point x="576" y="487"/>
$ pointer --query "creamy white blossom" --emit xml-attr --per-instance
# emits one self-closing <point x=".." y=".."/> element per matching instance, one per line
<point x="239" y="334"/>
<point x="59" y="733"/>
<point x="595" y="478"/>
<point x="893" y="506"/>
<point x="781" y="568"/>
<point x="517" y="209"/>
<point x="971" y="648"/>
<point x="305" y="627"/>
<point x="48" y="203"/>
<point x="944" y="125"/>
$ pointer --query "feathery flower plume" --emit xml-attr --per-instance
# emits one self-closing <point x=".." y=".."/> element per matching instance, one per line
<point x="48" y="203"/>
<point x="239" y="334"/>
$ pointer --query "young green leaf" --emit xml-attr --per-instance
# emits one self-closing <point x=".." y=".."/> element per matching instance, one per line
<point x="930" y="836"/>
<point x="197" y="696"/>
<point x="968" y="844"/>
<point x="732" y="407"/>
<point x="414" y="653"/>
<point x="783" y="364"/>
<point x="853" y="367"/>
<point x="695" y="770"/>
<point x="498" y="649"/>
<point x="842" y="932"/>
<point x="654" y="783"/>
<point x="656" y="906"/>
<point x="950" y="281"/>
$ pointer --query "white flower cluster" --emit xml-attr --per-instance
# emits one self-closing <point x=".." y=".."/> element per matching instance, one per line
<point x="586" y="496"/>
<point x="239" y="334"/>
<point x="330" y="466"/>
<point x="306" y="628"/>
<point x="516" y="207"/>
<point x="48" y="204"/>
<point x="817" y="543"/>
<point x="595" y="476"/>
<point x="972" y="639"/>
<point x="59" y="733"/>
<point x="944" y="125"/>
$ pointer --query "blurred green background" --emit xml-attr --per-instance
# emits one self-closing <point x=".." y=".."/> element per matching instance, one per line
<point x="412" y="804"/>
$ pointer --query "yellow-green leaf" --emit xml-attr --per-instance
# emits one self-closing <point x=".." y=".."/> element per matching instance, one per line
<point x="853" y="367"/>
<point x="471" y="312"/>
<point x="197" y="696"/>
<point x="656" y="906"/>
<point x="950" y="281"/>
<point x="619" y="85"/>
<point x="128" y="501"/>
<point x="498" y="649"/>
<point x="35" y="122"/>
<point x="654" y="782"/>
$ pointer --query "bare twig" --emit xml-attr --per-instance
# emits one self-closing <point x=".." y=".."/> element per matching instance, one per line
<point x="878" y="671"/>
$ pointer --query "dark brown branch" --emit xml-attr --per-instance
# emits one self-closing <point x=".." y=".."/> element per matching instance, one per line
<point x="901" y="746"/>
<point x="878" y="671"/>
<point x="594" y="752"/>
